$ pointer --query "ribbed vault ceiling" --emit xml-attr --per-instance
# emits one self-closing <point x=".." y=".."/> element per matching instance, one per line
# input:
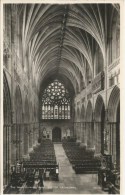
<point x="60" y="40"/>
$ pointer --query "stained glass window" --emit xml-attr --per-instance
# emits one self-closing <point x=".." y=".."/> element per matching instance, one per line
<point x="55" y="102"/>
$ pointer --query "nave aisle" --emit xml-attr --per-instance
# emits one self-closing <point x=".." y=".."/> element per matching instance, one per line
<point x="69" y="182"/>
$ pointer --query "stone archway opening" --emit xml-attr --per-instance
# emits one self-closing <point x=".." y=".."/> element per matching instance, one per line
<point x="7" y="130"/>
<point x="56" y="134"/>
<point x="114" y="126"/>
<point x="102" y="127"/>
<point x="118" y="136"/>
<point x="89" y="127"/>
<point x="99" y="124"/>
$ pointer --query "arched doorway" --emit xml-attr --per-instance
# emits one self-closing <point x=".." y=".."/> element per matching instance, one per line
<point x="78" y="125"/>
<point x="118" y="137"/>
<point x="99" y="124"/>
<point x="83" y="124"/>
<point x="56" y="134"/>
<point x="89" y="127"/>
<point x="114" y="125"/>
<point x="18" y="135"/>
<point x="26" y="127"/>
<point x="7" y="130"/>
<point x="102" y="128"/>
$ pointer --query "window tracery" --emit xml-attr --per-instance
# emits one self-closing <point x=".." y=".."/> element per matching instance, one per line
<point x="56" y="102"/>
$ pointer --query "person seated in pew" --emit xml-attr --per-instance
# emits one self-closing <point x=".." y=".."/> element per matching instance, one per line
<point x="36" y="182"/>
<point x="36" y="173"/>
<point x="41" y="185"/>
<point x="44" y="173"/>
<point x="13" y="179"/>
<point x="30" y="180"/>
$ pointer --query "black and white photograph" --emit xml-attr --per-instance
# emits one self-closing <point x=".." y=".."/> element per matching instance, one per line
<point x="61" y="97"/>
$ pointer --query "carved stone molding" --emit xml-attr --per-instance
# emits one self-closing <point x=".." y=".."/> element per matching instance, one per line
<point x="98" y="83"/>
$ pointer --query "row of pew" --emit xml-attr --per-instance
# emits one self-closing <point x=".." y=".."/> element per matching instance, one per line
<point x="82" y="161"/>
<point x="43" y="157"/>
<point x="44" y="151"/>
<point x="41" y="165"/>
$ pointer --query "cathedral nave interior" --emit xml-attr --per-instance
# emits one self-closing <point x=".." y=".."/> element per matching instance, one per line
<point x="61" y="98"/>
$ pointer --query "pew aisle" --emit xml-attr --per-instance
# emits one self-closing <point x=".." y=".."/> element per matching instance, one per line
<point x="69" y="182"/>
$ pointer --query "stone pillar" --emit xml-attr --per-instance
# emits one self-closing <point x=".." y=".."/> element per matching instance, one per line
<point x="31" y="135"/>
<point x="81" y="131"/>
<point x="91" y="135"/>
<point x="30" y="138"/>
<point x="78" y="130"/>
<point x="85" y="134"/>
<point x="113" y="143"/>
<point x="13" y="147"/>
<point x="74" y="132"/>
<point x="97" y="129"/>
<point x="81" y="136"/>
<point x="88" y="133"/>
<point x="74" y="129"/>
<point x="26" y="140"/>
<point x="93" y="139"/>
<point x="4" y="156"/>
<point x="22" y="141"/>
<point x="34" y="134"/>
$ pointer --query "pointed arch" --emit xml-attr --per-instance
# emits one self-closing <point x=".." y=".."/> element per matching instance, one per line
<point x="89" y="128"/>
<point x="18" y="105"/>
<point x="99" y="116"/>
<point x="83" y="113"/>
<point x="26" y="119"/>
<point x="98" y="108"/>
<point x="89" y="111"/>
<point x="6" y="101"/>
<point x="7" y="120"/>
<point x="114" y="124"/>
<point x="113" y="103"/>
<point x="26" y="127"/>
<point x="78" y="114"/>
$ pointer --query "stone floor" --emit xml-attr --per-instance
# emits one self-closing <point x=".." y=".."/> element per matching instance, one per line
<point x="69" y="182"/>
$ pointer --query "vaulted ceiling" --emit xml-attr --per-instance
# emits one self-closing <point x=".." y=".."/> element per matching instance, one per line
<point x="60" y="40"/>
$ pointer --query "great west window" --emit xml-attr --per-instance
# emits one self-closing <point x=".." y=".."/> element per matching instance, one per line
<point x="55" y="102"/>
